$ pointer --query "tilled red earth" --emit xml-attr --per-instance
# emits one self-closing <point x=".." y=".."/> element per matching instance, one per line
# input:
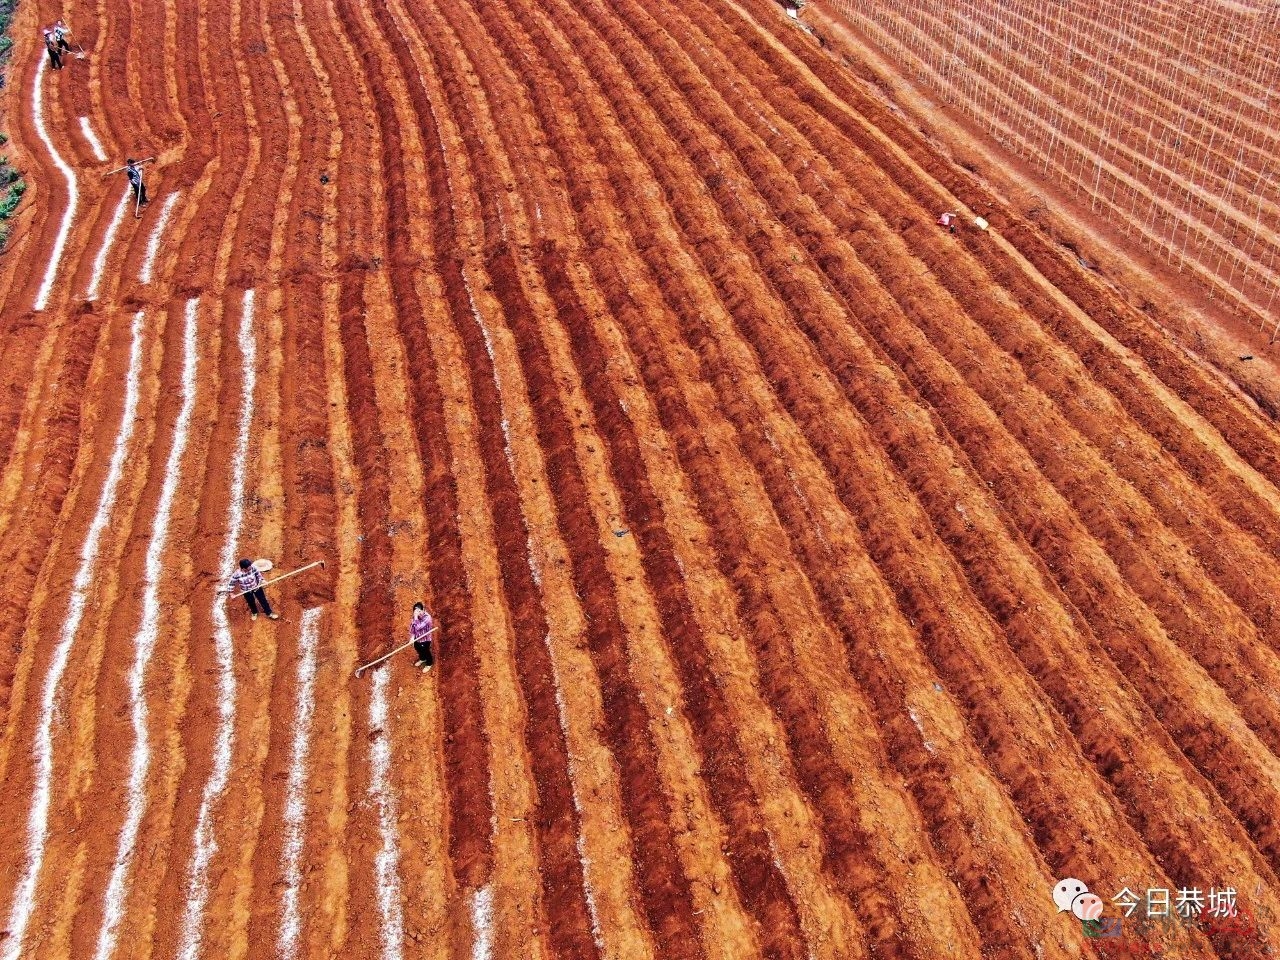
<point x="1155" y="114"/>
<point x="813" y="582"/>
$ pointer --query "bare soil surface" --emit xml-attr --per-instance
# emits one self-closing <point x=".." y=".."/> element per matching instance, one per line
<point x="812" y="581"/>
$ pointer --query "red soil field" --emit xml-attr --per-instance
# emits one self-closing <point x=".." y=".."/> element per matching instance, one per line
<point x="812" y="581"/>
<point x="1156" y="114"/>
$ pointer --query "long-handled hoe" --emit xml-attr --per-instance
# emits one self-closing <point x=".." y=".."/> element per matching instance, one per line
<point x="126" y="166"/>
<point x="283" y="576"/>
<point x="387" y="656"/>
<point x="137" y="200"/>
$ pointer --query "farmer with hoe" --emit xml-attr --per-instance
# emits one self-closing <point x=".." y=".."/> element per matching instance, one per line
<point x="248" y="581"/>
<point x="55" y="55"/>
<point x="133" y="170"/>
<point x="420" y="629"/>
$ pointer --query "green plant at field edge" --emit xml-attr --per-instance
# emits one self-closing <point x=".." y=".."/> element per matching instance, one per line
<point x="10" y="180"/>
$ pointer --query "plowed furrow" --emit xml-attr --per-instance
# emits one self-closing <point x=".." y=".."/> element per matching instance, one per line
<point x="296" y="488"/>
<point x="307" y="470"/>
<point x="264" y="84"/>
<point x="557" y="821"/>
<point x="40" y="281"/>
<point x="50" y="771"/>
<point x="328" y="880"/>
<point x="906" y="157"/>
<point x="26" y="359"/>
<point x="1240" y="800"/>
<point x="765" y="891"/>
<point x="374" y="550"/>
<point x="121" y="786"/>
<point x="74" y="100"/>
<point x="96" y="36"/>
<point x="812" y="582"/>
<point x="35" y="242"/>
<point x="539" y="364"/>
<point x="165" y="686"/>
<point x="208" y="160"/>
<point x="176" y="129"/>
<point x="201" y="678"/>
<point x="1171" y="602"/>
<point x="210" y="865"/>
<point x="665" y="886"/>
<point x="849" y="841"/>
<point x="606" y="828"/>
<point x="791" y="365"/>
<point x="133" y="66"/>
<point x="536" y="823"/>
<point x="656" y="869"/>
<point x="218" y="902"/>
<point x="269" y="166"/>
<point x="353" y="891"/>
<point x="420" y="775"/>
<point x="970" y="287"/>
<point x="761" y="884"/>
<point x="720" y="773"/>
<point x="22" y="557"/>
<point x="466" y="746"/>
<point x="309" y="519"/>
<point x="149" y="55"/>
<point x="760" y="889"/>
<point x="204" y="253"/>
<point x="169" y="871"/>
<point x="309" y="509"/>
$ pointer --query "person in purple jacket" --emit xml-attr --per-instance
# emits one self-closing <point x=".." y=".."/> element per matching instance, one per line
<point x="248" y="580"/>
<point x="420" y="629"/>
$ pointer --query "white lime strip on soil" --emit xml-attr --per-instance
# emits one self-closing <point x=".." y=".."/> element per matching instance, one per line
<point x="387" y="861"/>
<point x="295" y="804"/>
<point x="92" y="139"/>
<point x="144" y="644"/>
<point x="153" y="243"/>
<point x="206" y="845"/>
<point x="109" y="238"/>
<point x="482" y="923"/>
<point x="73" y="192"/>
<point x="38" y="820"/>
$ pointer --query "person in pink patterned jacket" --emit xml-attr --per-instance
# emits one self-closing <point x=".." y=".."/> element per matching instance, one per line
<point x="420" y="629"/>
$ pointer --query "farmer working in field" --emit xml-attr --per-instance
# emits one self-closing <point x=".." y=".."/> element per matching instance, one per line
<point x="55" y="57"/>
<point x="60" y="33"/>
<point x="133" y="170"/>
<point x="248" y="580"/>
<point x="420" y="630"/>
